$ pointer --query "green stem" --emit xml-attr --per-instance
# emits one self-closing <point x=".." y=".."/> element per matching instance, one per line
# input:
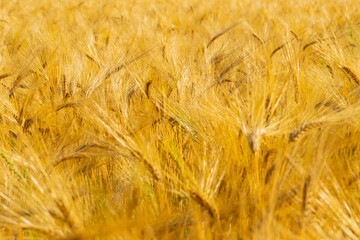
<point x="12" y="165"/>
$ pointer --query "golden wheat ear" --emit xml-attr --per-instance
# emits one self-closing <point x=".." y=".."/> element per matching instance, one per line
<point x="303" y="129"/>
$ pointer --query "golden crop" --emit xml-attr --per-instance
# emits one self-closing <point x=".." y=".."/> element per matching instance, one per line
<point x="157" y="119"/>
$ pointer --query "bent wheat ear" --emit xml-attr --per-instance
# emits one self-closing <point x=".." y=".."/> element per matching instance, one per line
<point x="253" y="140"/>
<point x="301" y="131"/>
<point x="276" y="50"/>
<point x="212" y="210"/>
<point x="147" y="88"/>
<point x="15" y="84"/>
<point x="353" y="179"/>
<point x="286" y="196"/>
<point x="4" y="75"/>
<point x="333" y="105"/>
<point x="305" y="193"/>
<point x="269" y="173"/>
<point x="220" y="34"/>
<point x="67" y="105"/>
<point x="296" y="36"/>
<point x="351" y="74"/>
<point x="308" y="45"/>
<point x="121" y="66"/>
<point x="257" y="38"/>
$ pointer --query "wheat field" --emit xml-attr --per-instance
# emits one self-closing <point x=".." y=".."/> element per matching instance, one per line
<point x="165" y="119"/>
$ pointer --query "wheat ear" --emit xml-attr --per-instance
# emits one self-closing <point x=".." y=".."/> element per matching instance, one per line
<point x="211" y="208"/>
<point x="301" y="131"/>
